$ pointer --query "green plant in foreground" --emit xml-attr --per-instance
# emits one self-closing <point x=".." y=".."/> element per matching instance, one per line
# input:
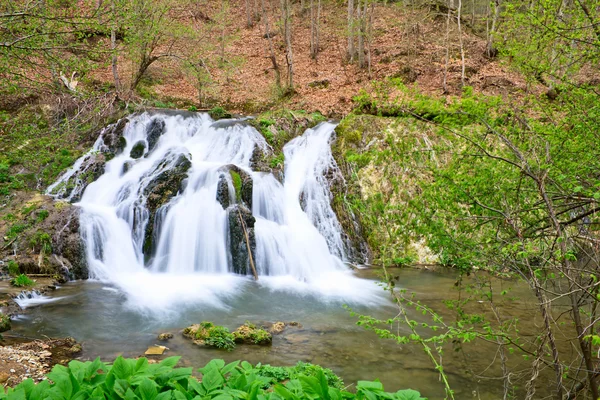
<point x="13" y="268"/>
<point x="22" y="280"/>
<point x="138" y="379"/>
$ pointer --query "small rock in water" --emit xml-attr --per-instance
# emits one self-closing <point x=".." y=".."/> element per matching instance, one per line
<point x="165" y="336"/>
<point x="155" y="350"/>
<point x="76" y="348"/>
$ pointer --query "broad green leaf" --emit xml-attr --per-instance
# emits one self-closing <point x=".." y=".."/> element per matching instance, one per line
<point x="147" y="389"/>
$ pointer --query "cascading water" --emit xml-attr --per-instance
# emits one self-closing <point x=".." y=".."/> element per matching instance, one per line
<point x="179" y="209"/>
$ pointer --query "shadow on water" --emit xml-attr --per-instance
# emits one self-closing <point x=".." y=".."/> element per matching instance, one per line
<point x="99" y="316"/>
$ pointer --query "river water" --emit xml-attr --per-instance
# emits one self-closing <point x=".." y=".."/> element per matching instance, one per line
<point x="101" y="318"/>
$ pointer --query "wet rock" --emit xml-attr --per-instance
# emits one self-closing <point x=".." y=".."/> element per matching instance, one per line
<point x="126" y="167"/>
<point x="4" y="323"/>
<point x="137" y="150"/>
<point x="67" y="245"/>
<point x="223" y="195"/>
<point x="76" y="348"/>
<point x="160" y="191"/>
<point x="165" y="336"/>
<point x="251" y="334"/>
<point x="242" y="186"/>
<point x="241" y="236"/>
<point x="91" y="169"/>
<point x="154" y="131"/>
<point x="113" y="137"/>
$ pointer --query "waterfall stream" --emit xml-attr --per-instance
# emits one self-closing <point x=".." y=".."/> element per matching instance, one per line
<point x="181" y="215"/>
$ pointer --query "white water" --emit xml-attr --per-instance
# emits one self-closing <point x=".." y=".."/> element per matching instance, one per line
<point x="33" y="298"/>
<point x="296" y="249"/>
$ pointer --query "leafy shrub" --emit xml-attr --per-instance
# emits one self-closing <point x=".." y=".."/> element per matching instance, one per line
<point x="22" y="280"/>
<point x="221" y="338"/>
<point x="13" y="268"/>
<point x="43" y="241"/>
<point x="4" y="323"/>
<point x="277" y="161"/>
<point x="219" y="112"/>
<point x="14" y="230"/>
<point x="138" y="379"/>
<point x="42" y="215"/>
<point x="211" y="335"/>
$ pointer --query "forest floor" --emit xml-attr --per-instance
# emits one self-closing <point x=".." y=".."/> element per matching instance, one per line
<point x="409" y="44"/>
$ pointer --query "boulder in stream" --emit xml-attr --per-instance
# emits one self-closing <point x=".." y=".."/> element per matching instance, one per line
<point x="160" y="191"/>
<point x="241" y="237"/>
<point x="241" y="184"/>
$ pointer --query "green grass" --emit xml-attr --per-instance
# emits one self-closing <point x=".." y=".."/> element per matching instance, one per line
<point x="22" y="280"/>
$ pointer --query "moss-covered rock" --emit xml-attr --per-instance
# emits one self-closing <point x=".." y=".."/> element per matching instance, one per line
<point x="138" y="149"/>
<point x="160" y="191"/>
<point x="251" y="334"/>
<point x="113" y="137"/>
<point x="373" y="154"/>
<point x="235" y="186"/>
<point x="5" y="324"/>
<point x="208" y="334"/>
<point x="241" y="237"/>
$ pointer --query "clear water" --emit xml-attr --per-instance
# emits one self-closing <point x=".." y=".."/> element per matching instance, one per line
<point x="102" y="318"/>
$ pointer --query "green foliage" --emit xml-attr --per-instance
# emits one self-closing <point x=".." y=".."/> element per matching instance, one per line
<point x="15" y="229"/>
<point x="13" y="268"/>
<point x="22" y="280"/>
<point x="5" y="323"/>
<point x="212" y="335"/>
<point x="220" y="337"/>
<point x="42" y="215"/>
<point x="277" y="161"/>
<point x="237" y="184"/>
<point x="42" y="241"/>
<point x="138" y="379"/>
<point x="250" y="333"/>
<point x="219" y="112"/>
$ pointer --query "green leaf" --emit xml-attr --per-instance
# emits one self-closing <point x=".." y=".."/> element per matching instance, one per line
<point x="121" y="386"/>
<point x="170" y="361"/>
<point x="212" y="380"/>
<point x="229" y="367"/>
<point x="122" y="368"/>
<point x="147" y="389"/>
<point x="408" y="394"/>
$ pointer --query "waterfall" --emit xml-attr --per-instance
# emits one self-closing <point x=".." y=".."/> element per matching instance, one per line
<point x="180" y="208"/>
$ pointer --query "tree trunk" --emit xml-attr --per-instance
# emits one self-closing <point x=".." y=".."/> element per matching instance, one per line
<point x="270" y="41"/>
<point x="248" y="15"/>
<point x="350" y="30"/>
<point x="460" y="41"/>
<point x="113" y="47"/>
<point x="361" y="35"/>
<point x="447" y="58"/>
<point x="491" y="52"/>
<point x="289" y="56"/>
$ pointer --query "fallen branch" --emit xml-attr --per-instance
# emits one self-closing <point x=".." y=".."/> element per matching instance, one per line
<point x="248" y="246"/>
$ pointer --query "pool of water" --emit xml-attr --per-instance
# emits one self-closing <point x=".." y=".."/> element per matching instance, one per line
<point x="101" y="318"/>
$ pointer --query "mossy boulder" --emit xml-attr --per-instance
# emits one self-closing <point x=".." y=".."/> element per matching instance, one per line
<point x="154" y="131"/>
<point x="208" y="334"/>
<point x="241" y="237"/>
<point x="5" y="324"/>
<point x="69" y="255"/>
<point x="234" y="178"/>
<point x="160" y="191"/>
<point x="251" y="334"/>
<point x="113" y="138"/>
<point x="137" y="150"/>
<point x="92" y="167"/>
